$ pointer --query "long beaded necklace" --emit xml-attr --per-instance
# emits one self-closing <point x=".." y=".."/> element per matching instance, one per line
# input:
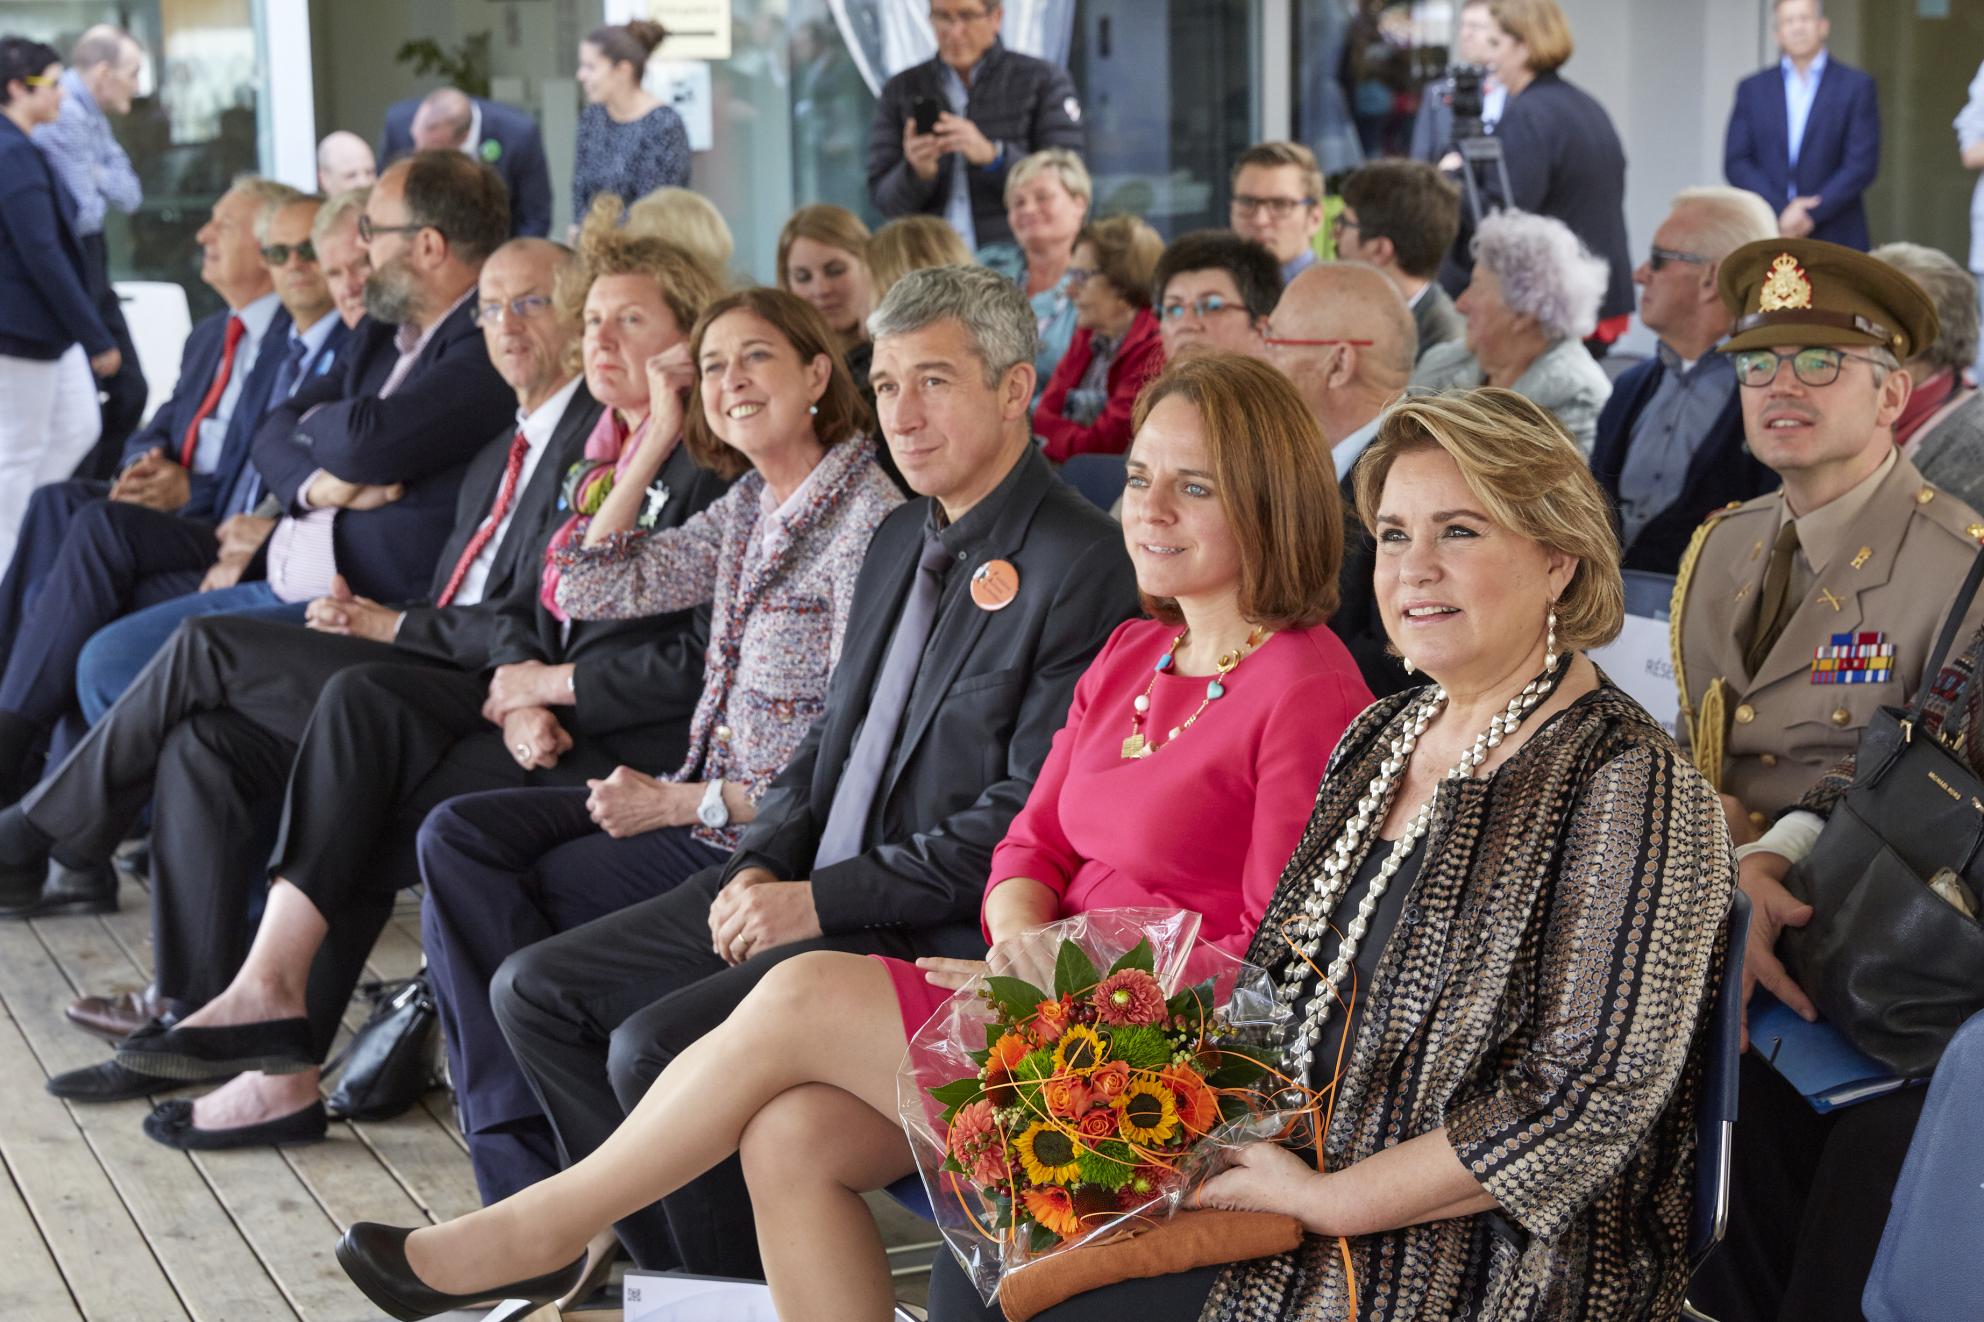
<point x="1136" y="745"/>
<point x="1328" y="886"/>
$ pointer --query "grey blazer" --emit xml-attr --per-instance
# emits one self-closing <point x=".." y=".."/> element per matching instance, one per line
<point x="1951" y="454"/>
<point x="1565" y="379"/>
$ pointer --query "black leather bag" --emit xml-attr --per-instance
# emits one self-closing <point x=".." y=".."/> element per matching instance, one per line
<point x="1894" y="965"/>
<point x="389" y="1061"/>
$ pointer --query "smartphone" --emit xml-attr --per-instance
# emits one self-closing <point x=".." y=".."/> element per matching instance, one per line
<point x="925" y="109"/>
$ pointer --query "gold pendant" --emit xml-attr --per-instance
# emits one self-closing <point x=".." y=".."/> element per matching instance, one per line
<point x="1134" y="745"/>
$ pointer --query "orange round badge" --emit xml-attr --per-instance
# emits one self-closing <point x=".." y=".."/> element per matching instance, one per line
<point x="994" y="584"/>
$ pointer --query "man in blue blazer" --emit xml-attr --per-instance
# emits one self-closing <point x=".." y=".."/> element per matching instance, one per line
<point x="1670" y="448"/>
<point x="505" y="137"/>
<point x="1806" y="135"/>
<point x="91" y="551"/>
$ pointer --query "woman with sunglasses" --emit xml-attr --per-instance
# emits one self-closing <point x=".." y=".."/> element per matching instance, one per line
<point x="51" y="338"/>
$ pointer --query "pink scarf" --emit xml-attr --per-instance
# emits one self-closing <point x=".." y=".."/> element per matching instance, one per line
<point x="609" y="449"/>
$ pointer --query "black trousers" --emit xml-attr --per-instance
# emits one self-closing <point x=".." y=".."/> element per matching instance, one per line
<point x="1809" y="1202"/>
<point x="595" y="1014"/>
<point x="124" y="391"/>
<point x="504" y="870"/>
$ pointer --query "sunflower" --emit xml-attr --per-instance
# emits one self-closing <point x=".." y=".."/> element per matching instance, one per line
<point x="1146" y="1112"/>
<point x="1078" y="1051"/>
<point x="1047" y="1153"/>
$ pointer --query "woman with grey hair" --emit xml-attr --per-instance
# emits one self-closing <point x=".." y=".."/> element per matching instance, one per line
<point x="1048" y="195"/>
<point x="1941" y="430"/>
<point x="1533" y="299"/>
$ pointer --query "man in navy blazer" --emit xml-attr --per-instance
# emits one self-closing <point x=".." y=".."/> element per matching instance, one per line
<point x="503" y="136"/>
<point x="1670" y="447"/>
<point x="91" y="551"/>
<point x="1806" y="135"/>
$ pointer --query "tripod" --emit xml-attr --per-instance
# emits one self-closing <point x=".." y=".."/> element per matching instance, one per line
<point x="1478" y="154"/>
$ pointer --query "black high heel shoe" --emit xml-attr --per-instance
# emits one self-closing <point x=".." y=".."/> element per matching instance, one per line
<point x="374" y="1256"/>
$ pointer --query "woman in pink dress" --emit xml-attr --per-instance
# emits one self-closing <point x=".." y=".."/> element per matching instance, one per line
<point x="1234" y="523"/>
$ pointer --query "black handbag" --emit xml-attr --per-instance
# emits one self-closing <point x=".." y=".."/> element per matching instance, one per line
<point x="389" y="1061"/>
<point x="1889" y="957"/>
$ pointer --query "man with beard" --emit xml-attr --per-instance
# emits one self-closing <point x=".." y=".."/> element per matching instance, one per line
<point x="364" y="464"/>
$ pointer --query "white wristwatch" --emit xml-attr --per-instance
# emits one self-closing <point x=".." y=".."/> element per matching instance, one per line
<point x="712" y="811"/>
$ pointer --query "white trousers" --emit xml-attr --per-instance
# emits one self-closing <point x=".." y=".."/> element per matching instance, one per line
<point x="49" y="419"/>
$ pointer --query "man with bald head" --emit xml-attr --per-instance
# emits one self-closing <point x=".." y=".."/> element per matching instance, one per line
<point x="102" y="77"/>
<point x="344" y="161"/>
<point x="502" y="136"/>
<point x="1344" y="335"/>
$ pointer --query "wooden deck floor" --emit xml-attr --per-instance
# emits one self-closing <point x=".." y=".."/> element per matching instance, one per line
<point x="101" y="1224"/>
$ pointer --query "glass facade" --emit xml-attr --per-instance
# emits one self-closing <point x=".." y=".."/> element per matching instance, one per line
<point x="193" y="127"/>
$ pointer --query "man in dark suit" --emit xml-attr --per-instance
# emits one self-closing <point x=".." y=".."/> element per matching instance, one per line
<point x="364" y="464"/>
<point x="91" y="551"/>
<point x="1670" y="448"/>
<point x="403" y="692"/>
<point x="878" y="834"/>
<point x="1806" y="135"/>
<point x="504" y="137"/>
<point x="994" y="107"/>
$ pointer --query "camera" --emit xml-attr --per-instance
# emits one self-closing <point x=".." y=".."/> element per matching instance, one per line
<point x="1465" y="98"/>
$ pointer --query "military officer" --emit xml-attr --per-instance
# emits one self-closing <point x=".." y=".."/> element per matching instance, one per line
<point x="1798" y="613"/>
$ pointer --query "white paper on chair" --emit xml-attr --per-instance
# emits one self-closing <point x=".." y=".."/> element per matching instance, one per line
<point x="1640" y="660"/>
<point x="667" y="1297"/>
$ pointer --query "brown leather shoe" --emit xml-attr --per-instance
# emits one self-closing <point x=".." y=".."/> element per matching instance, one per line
<point x="114" y="1018"/>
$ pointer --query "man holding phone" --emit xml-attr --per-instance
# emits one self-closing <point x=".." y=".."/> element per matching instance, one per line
<point x="947" y="130"/>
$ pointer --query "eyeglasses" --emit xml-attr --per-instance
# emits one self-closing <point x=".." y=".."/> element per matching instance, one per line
<point x="278" y="254"/>
<point x="1081" y="275"/>
<point x="951" y="18"/>
<point x="37" y="80"/>
<point x="367" y="231"/>
<point x="1341" y="221"/>
<point x="1205" y="305"/>
<point x="1276" y="342"/>
<point x="1659" y="257"/>
<point x="1281" y="208"/>
<point x="1813" y="366"/>
<point x="495" y="311"/>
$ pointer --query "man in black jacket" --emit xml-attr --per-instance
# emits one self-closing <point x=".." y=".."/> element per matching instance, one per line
<point x="1669" y="449"/>
<point x="229" y="706"/>
<point x="993" y="106"/>
<point x="976" y="610"/>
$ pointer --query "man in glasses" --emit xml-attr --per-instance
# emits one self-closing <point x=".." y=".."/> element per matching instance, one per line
<point x="1214" y="291"/>
<point x="1343" y="335"/>
<point x="1278" y="202"/>
<point x="1669" y="448"/>
<point x="1801" y="611"/>
<point x="946" y="131"/>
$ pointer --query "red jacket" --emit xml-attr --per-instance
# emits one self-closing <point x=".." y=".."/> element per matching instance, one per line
<point x="1139" y="358"/>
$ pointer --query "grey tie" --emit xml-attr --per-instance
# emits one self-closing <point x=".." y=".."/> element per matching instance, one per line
<point x="854" y="797"/>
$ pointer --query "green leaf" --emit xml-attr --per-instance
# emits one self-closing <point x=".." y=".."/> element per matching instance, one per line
<point x="1234" y="1108"/>
<point x="1194" y="1006"/>
<point x="1039" y="1237"/>
<point x="1139" y="1047"/>
<point x="1138" y="956"/>
<point x="1016" y="997"/>
<point x="1237" y="1068"/>
<point x="1074" y="972"/>
<point x="957" y="1092"/>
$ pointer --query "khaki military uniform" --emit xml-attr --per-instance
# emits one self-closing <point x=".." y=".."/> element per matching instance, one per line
<point x="1881" y="567"/>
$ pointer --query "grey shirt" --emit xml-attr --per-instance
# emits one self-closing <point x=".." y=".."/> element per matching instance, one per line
<point x="1676" y="420"/>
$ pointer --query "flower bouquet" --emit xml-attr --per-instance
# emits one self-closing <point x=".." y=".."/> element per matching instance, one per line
<point x="1100" y="1094"/>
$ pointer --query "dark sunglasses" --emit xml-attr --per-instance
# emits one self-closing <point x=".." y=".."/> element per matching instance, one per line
<point x="1659" y="257"/>
<point x="278" y="254"/>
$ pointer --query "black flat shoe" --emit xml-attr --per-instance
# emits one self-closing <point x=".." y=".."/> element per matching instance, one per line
<point x="67" y="890"/>
<point x="171" y="1123"/>
<point x="374" y="1256"/>
<point x="274" y="1046"/>
<point x="108" y="1082"/>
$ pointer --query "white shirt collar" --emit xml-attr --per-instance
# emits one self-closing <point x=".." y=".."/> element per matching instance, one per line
<point x="472" y="144"/>
<point x="320" y="331"/>
<point x="1346" y="451"/>
<point x="540" y="422"/>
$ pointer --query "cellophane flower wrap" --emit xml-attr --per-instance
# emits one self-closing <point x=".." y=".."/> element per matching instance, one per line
<point x="1084" y="1102"/>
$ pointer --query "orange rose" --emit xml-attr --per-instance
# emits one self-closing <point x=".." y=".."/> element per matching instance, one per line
<point x="1097" y="1124"/>
<point x="1050" y="1020"/>
<point x="1067" y="1097"/>
<point x="1110" y="1080"/>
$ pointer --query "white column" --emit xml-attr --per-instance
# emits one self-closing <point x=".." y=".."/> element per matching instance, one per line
<point x="288" y="112"/>
<point x="1276" y="56"/>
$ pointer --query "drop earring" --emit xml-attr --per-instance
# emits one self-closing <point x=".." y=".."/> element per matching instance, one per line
<point x="1550" y="642"/>
<point x="1406" y="661"/>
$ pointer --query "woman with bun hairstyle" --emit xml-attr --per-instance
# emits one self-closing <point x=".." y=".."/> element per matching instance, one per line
<point x="630" y="143"/>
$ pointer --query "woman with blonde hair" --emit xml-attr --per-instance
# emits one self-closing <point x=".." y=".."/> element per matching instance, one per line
<point x="687" y="220"/>
<point x="910" y="243"/>
<point x="823" y="258"/>
<point x="1048" y="197"/>
<point x="1234" y="524"/>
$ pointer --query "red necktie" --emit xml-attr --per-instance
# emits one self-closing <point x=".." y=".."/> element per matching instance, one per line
<point x="504" y="494"/>
<point x="191" y="445"/>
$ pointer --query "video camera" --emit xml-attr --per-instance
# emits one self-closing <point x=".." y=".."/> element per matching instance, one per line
<point x="1465" y="99"/>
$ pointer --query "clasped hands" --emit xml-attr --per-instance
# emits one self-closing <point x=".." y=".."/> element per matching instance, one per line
<point x="1795" y="221"/>
<point x="952" y="133"/>
<point x="755" y="911"/>
<point x="519" y="700"/>
<point x="155" y="480"/>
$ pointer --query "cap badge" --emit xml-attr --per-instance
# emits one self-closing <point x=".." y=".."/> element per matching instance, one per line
<point x="1786" y="286"/>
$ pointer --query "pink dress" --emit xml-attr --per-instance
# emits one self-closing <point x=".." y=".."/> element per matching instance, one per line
<point x="1206" y="825"/>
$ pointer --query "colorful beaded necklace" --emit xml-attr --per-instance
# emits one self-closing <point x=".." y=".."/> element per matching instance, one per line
<point x="1137" y="745"/>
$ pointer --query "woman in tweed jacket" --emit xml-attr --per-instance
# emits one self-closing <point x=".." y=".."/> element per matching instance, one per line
<point x="775" y="559"/>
